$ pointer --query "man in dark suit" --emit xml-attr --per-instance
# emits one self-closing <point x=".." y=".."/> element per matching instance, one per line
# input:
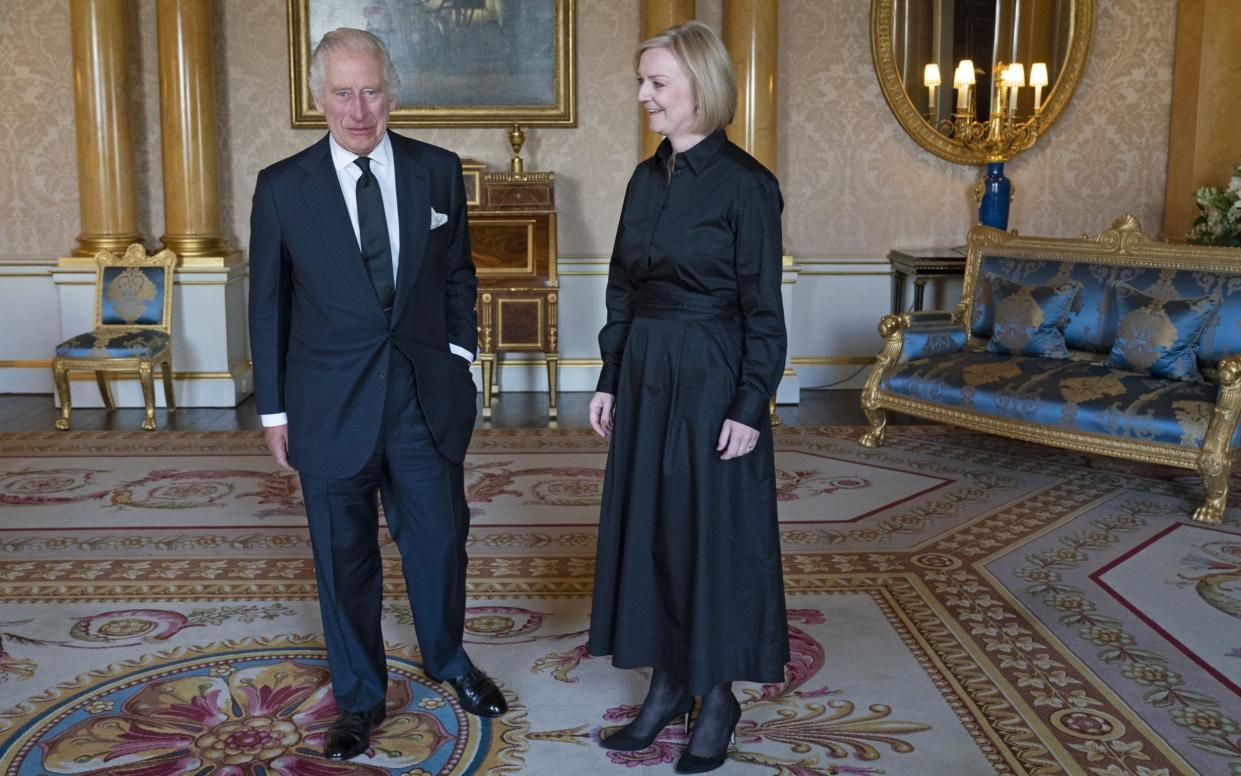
<point x="362" y="330"/>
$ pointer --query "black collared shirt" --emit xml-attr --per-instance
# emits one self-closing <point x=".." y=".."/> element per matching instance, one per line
<point x="702" y="229"/>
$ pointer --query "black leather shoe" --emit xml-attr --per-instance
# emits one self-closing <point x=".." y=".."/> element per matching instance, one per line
<point x="478" y="694"/>
<point x="350" y="735"/>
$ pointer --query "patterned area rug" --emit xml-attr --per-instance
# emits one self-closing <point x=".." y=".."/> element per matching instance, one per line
<point x="958" y="604"/>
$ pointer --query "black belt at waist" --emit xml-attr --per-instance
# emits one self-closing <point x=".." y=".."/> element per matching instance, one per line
<point x="685" y="308"/>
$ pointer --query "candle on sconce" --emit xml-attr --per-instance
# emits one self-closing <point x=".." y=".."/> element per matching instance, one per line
<point x="1038" y="79"/>
<point x="962" y="80"/>
<point x="1016" y="79"/>
<point x="931" y="80"/>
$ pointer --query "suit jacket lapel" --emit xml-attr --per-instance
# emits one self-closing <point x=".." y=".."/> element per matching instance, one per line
<point x="327" y="207"/>
<point x="413" y="197"/>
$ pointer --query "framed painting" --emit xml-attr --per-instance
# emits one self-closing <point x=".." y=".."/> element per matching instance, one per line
<point x="463" y="63"/>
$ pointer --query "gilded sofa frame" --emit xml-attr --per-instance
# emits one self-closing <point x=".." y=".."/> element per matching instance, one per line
<point x="1123" y="244"/>
<point x="135" y="256"/>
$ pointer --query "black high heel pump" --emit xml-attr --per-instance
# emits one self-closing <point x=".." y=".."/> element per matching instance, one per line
<point x="692" y="763"/>
<point x="624" y="741"/>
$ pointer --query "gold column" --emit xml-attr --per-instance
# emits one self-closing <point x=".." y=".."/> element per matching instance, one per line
<point x="187" y="131"/>
<point x="1203" y="142"/>
<point x="105" y="146"/>
<point x="657" y="16"/>
<point x="751" y="33"/>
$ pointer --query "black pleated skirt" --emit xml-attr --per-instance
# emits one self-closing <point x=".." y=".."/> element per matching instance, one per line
<point x="687" y="576"/>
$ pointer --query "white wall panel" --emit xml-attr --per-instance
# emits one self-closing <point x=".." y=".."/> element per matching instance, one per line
<point x="29" y="325"/>
<point x="834" y="305"/>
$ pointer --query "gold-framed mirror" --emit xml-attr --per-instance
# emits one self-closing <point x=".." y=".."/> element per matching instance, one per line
<point x="908" y="35"/>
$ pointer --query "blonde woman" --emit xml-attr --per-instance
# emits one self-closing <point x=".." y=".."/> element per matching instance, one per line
<point x="688" y="579"/>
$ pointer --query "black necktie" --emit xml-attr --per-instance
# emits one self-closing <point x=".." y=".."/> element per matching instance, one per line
<point x="373" y="229"/>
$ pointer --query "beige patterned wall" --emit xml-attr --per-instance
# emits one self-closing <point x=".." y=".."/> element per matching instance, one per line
<point x="38" y="189"/>
<point x="854" y="183"/>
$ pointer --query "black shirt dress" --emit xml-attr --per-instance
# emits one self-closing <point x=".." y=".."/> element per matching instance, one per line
<point x="688" y="576"/>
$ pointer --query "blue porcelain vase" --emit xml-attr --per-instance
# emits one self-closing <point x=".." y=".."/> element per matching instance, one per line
<point x="997" y="195"/>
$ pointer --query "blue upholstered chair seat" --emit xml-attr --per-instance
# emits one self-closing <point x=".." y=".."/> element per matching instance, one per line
<point x="102" y="343"/>
<point x="1073" y="395"/>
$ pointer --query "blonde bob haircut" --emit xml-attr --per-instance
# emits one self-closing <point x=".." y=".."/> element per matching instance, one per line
<point x="702" y="54"/>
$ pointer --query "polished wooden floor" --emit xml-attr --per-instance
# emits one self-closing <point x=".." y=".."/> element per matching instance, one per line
<point x="20" y="412"/>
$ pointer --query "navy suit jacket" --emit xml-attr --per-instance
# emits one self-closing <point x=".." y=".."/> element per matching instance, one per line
<point x="320" y="341"/>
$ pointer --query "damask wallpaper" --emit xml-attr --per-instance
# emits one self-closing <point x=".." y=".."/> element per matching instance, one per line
<point x="854" y="183"/>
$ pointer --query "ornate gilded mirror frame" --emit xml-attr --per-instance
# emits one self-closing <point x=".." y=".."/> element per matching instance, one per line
<point x="882" y="13"/>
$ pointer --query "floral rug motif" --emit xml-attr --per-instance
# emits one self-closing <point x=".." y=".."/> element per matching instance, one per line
<point x="248" y="708"/>
<point x="958" y="604"/>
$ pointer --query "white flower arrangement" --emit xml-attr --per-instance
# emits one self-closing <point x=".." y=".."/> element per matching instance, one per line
<point x="1220" y="221"/>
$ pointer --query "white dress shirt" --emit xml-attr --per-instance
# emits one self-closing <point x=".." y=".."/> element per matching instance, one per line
<point x="347" y="174"/>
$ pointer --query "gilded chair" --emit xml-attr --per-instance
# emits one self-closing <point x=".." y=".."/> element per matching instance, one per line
<point x="133" y="329"/>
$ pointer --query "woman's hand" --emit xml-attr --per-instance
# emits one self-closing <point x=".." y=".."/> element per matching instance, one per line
<point x="602" y="406"/>
<point x="735" y="439"/>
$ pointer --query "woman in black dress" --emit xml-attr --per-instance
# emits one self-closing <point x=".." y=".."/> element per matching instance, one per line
<point x="688" y="579"/>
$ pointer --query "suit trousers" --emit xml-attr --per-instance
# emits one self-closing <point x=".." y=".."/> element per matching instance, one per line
<point x="424" y="504"/>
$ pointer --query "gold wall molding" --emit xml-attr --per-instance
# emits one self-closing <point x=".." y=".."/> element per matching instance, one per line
<point x="28" y="261"/>
<point x="595" y="363"/>
<point x="113" y="377"/>
<point x="831" y="360"/>
<point x="837" y="261"/>
<point x="17" y="363"/>
<point x="512" y="363"/>
<point x="90" y="377"/>
<point x="846" y="273"/>
<point x="228" y="282"/>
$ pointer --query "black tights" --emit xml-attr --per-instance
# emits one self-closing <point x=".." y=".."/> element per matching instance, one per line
<point x="665" y="694"/>
<point x="714" y="724"/>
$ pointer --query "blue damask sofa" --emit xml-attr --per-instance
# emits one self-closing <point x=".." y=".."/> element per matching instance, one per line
<point x="1117" y="344"/>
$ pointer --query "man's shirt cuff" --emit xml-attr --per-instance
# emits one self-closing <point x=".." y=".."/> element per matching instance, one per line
<point x="282" y="418"/>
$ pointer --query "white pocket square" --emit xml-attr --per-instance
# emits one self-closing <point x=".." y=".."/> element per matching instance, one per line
<point x="437" y="219"/>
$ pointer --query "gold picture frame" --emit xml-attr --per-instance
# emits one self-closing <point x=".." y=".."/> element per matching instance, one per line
<point x="463" y="63"/>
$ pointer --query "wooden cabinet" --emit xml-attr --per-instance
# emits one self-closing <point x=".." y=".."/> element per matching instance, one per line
<point x="513" y="238"/>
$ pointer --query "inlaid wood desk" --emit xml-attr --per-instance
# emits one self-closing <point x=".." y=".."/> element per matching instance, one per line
<point x="513" y="238"/>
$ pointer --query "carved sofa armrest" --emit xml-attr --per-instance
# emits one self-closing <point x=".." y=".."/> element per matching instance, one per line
<point x="920" y="334"/>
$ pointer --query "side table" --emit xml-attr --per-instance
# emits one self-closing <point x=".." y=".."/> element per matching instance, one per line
<point x="921" y="264"/>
